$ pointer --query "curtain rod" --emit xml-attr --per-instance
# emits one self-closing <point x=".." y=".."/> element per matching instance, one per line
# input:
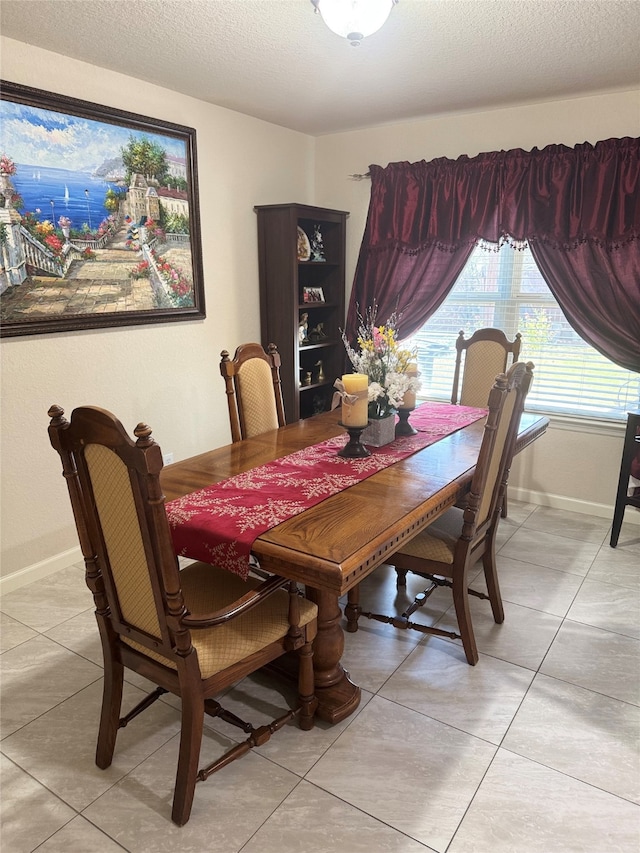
<point x="362" y="177"/>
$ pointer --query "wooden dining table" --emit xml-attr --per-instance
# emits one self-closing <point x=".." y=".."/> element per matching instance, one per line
<point x="332" y="546"/>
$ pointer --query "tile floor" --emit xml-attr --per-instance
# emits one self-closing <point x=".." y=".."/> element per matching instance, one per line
<point x="534" y="750"/>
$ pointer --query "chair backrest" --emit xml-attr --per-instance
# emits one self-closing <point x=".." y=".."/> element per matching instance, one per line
<point x="486" y="354"/>
<point x="122" y="525"/>
<point x="506" y="403"/>
<point x="254" y="392"/>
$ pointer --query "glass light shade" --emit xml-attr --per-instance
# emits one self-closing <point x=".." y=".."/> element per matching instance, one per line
<point x="354" y="19"/>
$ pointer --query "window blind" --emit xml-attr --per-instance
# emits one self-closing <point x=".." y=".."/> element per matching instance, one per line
<point x="504" y="289"/>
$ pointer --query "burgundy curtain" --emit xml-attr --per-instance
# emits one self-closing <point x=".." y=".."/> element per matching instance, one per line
<point x="579" y="209"/>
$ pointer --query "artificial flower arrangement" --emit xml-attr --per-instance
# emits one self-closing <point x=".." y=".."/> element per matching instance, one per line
<point x="385" y="363"/>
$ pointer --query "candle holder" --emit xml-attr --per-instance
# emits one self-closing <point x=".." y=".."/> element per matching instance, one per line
<point x="354" y="449"/>
<point x="403" y="427"/>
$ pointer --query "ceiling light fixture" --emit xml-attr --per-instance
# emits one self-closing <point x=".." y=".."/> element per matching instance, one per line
<point x="354" y="19"/>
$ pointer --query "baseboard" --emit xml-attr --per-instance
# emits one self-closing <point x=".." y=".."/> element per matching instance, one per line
<point x="40" y="570"/>
<point x="571" y="504"/>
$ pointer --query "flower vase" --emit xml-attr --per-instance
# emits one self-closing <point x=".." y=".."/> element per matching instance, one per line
<point x="380" y="431"/>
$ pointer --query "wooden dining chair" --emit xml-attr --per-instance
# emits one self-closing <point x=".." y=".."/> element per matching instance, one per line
<point x="486" y="354"/>
<point x="445" y="551"/>
<point x="254" y="392"/>
<point x="193" y="632"/>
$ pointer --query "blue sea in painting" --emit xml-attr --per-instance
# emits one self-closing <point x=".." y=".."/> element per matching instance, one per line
<point x="60" y="192"/>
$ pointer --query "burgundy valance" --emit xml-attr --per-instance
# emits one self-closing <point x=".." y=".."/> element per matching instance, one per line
<point x="559" y="195"/>
<point x="582" y="202"/>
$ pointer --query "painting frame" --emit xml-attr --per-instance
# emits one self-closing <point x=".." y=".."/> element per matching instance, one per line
<point x="174" y="290"/>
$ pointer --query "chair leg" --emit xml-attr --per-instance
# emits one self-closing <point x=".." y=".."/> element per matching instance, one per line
<point x="306" y="694"/>
<point x="190" y="742"/>
<point x="401" y="577"/>
<point x="352" y="610"/>
<point x="493" y="585"/>
<point x="503" y="511"/>
<point x="618" y="516"/>
<point x="463" y="615"/>
<point x="110" y="713"/>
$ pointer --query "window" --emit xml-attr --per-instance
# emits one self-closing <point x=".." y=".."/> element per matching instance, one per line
<point x="505" y="289"/>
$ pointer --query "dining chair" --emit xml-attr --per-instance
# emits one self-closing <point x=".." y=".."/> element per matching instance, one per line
<point x="193" y="632"/>
<point x="628" y="494"/>
<point x="446" y="550"/>
<point x="486" y="354"/>
<point x="254" y="392"/>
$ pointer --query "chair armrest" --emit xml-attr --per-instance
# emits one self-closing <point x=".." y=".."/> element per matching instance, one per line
<point x="237" y="608"/>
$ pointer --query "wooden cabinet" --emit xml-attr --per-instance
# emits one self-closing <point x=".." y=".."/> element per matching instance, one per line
<point x="292" y="286"/>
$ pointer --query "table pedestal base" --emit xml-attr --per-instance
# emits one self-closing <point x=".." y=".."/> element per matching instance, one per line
<point x="337" y="695"/>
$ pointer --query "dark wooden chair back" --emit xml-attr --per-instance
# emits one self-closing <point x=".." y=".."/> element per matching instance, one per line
<point x="254" y="392"/>
<point x="173" y="627"/>
<point x="486" y="354"/>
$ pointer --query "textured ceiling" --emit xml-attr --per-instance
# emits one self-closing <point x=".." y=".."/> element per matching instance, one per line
<point x="276" y="60"/>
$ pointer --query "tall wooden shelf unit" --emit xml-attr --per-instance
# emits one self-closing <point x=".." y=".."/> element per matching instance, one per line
<point x="283" y="279"/>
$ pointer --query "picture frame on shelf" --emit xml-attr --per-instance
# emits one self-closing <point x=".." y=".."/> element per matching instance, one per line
<point x="99" y="216"/>
<point x="312" y="294"/>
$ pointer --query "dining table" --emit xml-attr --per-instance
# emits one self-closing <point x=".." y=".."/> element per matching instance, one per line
<point x="331" y="546"/>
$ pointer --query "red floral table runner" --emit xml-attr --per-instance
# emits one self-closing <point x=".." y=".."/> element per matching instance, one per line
<point x="220" y="523"/>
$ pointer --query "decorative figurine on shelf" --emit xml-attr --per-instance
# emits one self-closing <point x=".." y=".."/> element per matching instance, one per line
<point x="317" y="247"/>
<point x="307" y="378"/>
<point x="321" y="376"/>
<point x="317" y="334"/>
<point x="303" y="326"/>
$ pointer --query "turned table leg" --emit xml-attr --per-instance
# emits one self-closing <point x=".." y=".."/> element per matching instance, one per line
<point x="337" y="695"/>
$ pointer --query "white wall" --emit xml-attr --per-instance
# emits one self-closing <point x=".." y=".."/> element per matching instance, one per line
<point x="572" y="469"/>
<point x="165" y="374"/>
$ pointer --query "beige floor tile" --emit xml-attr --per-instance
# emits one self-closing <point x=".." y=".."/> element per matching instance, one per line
<point x="12" y="633"/>
<point x="310" y="819"/>
<point x="59" y="748"/>
<point x="598" y="660"/>
<point x="537" y="587"/>
<point x="583" y="734"/>
<point x="437" y="681"/>
<point x="409" y="764"/>
<point x="517" y="512"/>
<point x="406" y="770"/>
<point x="227" y="809"/>
<point x="50" y="601"/>
<point x="629" y="537"/>
<point x="547" y="549"/>
<point x="572" y="525"/>
<point x="525" y="807"/>
<point x="620" y="566"/>
<point x="80" y="634"/>
<point x="79" y="836"/>
<point x="603" y="605"/>
<point x="37" y="676"/>
<point x="28" y="812"/>
<point x="523" y="638"/>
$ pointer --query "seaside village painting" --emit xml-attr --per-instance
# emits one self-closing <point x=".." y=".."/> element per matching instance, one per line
<point x="94" y="218"/>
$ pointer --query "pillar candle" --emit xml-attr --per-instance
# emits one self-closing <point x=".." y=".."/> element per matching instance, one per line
<point x="355" y="415"/>
<point x="409" y="400"/>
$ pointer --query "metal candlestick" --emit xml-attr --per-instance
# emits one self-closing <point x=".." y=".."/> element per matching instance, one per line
<point x="403" y="427"/>
<point x="354" y="449"/>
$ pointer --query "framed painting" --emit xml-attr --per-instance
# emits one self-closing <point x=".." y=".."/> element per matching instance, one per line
<point x="99" y="217"/>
